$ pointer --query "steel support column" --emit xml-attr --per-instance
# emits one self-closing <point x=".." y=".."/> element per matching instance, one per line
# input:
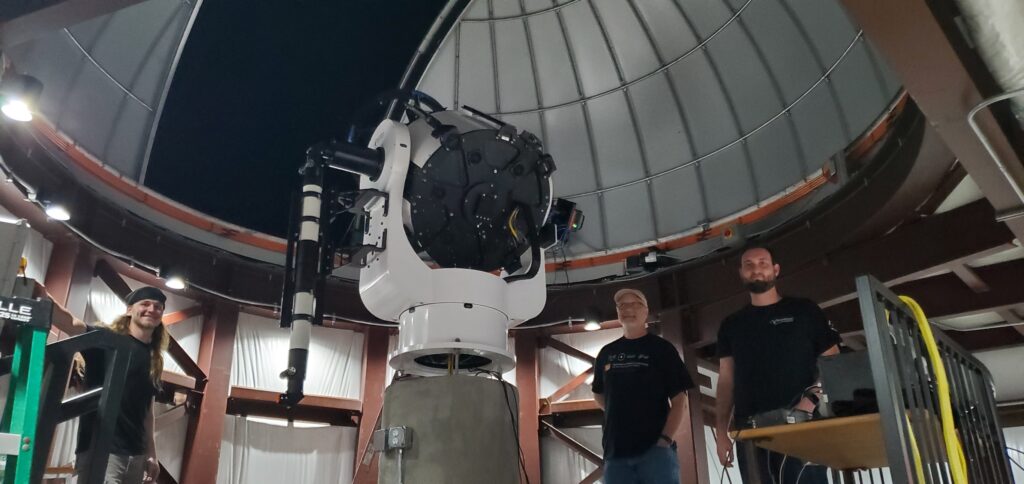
<point x="206" y="423"/>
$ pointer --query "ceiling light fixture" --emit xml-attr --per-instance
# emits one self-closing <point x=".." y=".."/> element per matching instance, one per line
<point x="57" y="212"/>
<point x="175" y="282"/>
<point x="172" y="278"/>
<point x="18" y="96"/>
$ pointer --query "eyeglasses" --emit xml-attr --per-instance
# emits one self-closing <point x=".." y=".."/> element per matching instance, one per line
<point x="628" y="305"/>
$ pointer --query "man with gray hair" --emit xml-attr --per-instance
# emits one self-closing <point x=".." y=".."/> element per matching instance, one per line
<point x="640" y="382"/>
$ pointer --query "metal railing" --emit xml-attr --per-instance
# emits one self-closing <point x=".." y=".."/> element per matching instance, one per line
<point x="908" y="399"/>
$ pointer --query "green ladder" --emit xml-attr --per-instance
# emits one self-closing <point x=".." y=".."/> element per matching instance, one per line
<point x="20" y="420"/>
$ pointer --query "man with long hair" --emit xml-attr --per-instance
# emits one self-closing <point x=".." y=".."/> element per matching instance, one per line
<point x="132" y="449"/>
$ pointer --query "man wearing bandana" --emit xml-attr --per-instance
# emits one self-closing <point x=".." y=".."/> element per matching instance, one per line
<point x="132" y="449"/>
<point x="768" y="354"/>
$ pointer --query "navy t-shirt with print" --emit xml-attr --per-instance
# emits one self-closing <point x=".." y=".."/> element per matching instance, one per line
<point x="637" y="377"/>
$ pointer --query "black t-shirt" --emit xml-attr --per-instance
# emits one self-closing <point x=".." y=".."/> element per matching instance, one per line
<point x="637" y="378"/>
<point x="136" y="400"/>
<point x="775" y="351"/>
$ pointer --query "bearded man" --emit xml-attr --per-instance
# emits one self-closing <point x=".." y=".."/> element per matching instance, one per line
<point x="768" y="354"/>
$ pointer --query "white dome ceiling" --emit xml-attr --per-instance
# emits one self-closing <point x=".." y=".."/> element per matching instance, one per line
<point x="106" y="79"/>
<point x="663" y="115"/>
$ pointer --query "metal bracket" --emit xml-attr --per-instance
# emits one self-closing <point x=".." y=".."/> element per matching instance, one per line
<point x="360" y="255"/>
<point x="361" y="201"/>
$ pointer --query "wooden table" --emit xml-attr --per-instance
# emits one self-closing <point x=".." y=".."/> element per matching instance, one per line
<point x="840" y="443"/>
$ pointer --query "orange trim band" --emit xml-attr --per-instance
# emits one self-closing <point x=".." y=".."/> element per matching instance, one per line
<point x="857" y="149"/>
<point x="713" y="231"/>
<point x="87" y="163"/>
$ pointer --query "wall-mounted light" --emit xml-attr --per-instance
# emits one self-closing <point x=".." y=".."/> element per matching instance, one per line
<point x="57" y="211"/>
<point x="173" y="279"/>
<point x="175" y="282"/>
<point x="593" y="318"/>
<point x="54" y="206"/>
<point x="19" y="94"/>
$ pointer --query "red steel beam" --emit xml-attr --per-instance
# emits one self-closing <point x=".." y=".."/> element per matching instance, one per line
<point x="179" y="316"/>
<point x="691" y="449"/>
<point x="112" y="279"/>
<point x="924" y="46"/>
<point x="331" y="410"/>
<point x="332" y="403"/>
<point x="67" y="281"/>
<point x="206" y="426"/>
<point x="573" y="444"/>
<point x="945" y="295"/>
<point x="375" y="371"/>
<point x="568" y="387"/>
<point x="527" y="371"/>
<point x="177" y="380"/>
<point x="567" y="349"/>
<point x="569" y="406"/>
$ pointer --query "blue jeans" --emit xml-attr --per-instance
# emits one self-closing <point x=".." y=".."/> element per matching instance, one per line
<point x="760" y="466"/>
<point x="657" y="465"/>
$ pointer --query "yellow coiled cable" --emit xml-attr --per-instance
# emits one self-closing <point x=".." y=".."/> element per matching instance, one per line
<point x="954" y="451"/>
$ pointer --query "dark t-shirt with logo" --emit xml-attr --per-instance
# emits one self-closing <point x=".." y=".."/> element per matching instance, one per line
<point x="637" y="378"/>
<point x="129" y="431"/>
<point x="775" y="351"/>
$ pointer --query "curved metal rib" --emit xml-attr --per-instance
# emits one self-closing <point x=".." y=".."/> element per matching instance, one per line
<point x="678" y="101"/>
<point x="734" y="115"/>
<point x="104" y="71"/>
<point x="831" y="68"/>
<point x="523" y="15"/>
<point x="664" y="67"/>
<point x="633" y="118"/>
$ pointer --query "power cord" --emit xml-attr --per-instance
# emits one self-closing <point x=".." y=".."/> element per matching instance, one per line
<point x="512" y="418"/>
<point x="781" y="466"/>
<point x="725" y="474"/>
<point x="801" y="474"/>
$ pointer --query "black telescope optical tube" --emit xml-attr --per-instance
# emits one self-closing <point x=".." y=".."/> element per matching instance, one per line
<point x="307" y="256"/>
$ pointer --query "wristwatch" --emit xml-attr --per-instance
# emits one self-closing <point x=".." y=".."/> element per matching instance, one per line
<point x="667" y="439"/>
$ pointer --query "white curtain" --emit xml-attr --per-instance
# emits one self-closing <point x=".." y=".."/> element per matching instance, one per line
<point x="335" y="367"/>
<point x="188" y="333"/>
<point x="170" y="431"/>
<point x="557" y="368"/>
<point x="560" y="463"/>
<point x="37" y="251"/>
<point x="103" y="306"/>
<point x="1015" y="444"/>
<point x="254" y="451"/>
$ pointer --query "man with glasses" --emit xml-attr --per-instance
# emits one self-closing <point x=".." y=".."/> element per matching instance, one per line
<point x="640" y="382"/>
